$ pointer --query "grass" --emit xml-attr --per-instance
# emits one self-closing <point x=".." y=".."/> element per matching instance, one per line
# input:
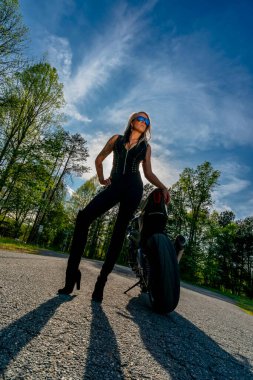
<point x="243" y="302"/>
<point x="16" y="245"/>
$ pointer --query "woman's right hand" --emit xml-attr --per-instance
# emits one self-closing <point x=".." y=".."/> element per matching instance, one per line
<point x="105" y="182"/>
<point x="166" y="195"/>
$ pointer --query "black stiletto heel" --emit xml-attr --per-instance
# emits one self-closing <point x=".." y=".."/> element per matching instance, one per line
<point x="78" y="280"/>
<point x="70" y="283"/>
<point x="98" y="292"/>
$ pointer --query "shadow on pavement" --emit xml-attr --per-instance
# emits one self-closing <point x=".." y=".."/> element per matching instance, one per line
<point x="183" y="350"/>
<point x="103" y="358"/>
<point x="18" y="334"/>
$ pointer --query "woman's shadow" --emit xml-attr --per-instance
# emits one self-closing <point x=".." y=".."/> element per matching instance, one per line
<point x="103" y="358"/>
<point x="18" y="334"/>
<point x="184" y="351"/>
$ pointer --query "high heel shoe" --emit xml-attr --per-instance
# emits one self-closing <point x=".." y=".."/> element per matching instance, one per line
<point x="98" y="292"/>
<point x="71" y="282"/>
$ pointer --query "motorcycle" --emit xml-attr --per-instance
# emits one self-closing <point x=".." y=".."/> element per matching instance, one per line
<point x="153" y="257"/>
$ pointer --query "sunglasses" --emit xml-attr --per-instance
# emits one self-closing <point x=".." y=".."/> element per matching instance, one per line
<point x="141" y="118"/>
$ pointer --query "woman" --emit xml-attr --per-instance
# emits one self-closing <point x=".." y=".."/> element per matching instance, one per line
<point x="124" y="187"/>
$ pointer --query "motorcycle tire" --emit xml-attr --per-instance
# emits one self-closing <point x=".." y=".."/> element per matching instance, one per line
<point x="163" y="278"/>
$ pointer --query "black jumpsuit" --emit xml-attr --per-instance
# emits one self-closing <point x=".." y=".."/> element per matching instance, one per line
<point x="126" y="189"/>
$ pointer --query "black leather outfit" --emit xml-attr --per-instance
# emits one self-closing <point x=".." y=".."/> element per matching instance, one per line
<point x="126" y="189"/>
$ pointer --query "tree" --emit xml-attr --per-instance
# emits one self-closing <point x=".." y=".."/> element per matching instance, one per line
<point x="197" y="186"/>
<point x="81" y="197"/>
<point x="12" y="38"/>
<point x="220" y="249"/>
<point x="107" y="225"/>
<point x="98" y="229"/>
<point x="38" y="96"/>
<point x="191" y="201"/>
<point x="228" y="258"/>
<point x="226" y="217"/>
<point x="24" y="192"/>
<point x="74" y="155"/>
<point x="56" y="224"/>
<point x="244" y="259"/>
<point x="178" y="217"/>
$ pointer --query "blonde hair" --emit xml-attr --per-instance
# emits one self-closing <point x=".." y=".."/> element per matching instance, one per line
<point x="145" y="136"/>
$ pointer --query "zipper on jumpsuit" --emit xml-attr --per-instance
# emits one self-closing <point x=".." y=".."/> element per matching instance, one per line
<point x="124" y="169"/>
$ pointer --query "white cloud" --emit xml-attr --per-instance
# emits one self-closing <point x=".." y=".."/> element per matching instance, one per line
<point x="109" y="52"/>
<point x="70" y="191"/>
<point x="72" y="111"/>
<point x="242" y="208"/>
<point x="96" y="143"/>
<point x="193" y="94"/>
<point x="163" y="165"/>
<point x="245" y="208"/>
<point x="59" y="54"/>
<point x="233" y="186"/>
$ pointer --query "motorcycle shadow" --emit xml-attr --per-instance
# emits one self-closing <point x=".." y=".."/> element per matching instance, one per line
<point x="181" y="348"/>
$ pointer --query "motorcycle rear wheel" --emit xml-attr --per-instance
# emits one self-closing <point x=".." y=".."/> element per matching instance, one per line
<point x="163" y="278"/>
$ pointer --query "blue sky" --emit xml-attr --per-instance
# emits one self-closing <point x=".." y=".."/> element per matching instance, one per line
<point x="189" y="64"/>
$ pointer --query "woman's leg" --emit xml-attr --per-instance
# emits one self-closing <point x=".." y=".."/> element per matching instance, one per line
<point x="124" y="216"/>
<point x="128" y="205"/>
<point x="105" y="200"/>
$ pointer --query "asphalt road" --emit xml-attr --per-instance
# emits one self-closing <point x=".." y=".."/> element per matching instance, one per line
<point x="45" y="336"/>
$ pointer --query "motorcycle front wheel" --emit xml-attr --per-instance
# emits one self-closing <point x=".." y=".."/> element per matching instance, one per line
<point x="163" y="277"/>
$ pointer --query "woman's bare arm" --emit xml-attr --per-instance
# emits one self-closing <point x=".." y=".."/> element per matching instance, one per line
<point x="108" y="148"/>
<point x="151" y="177"/>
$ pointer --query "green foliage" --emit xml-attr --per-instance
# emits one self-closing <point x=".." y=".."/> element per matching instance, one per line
<point x="12" y="37"/>
<point x="71" y="158"/>
<point x="38" y="97"/>
<point x="81" y="197"/>
<point x="225" y="218"/>
<point x="191" y="199"/>
<point x="36" y="154"/>
<point x="7" y="227"/>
